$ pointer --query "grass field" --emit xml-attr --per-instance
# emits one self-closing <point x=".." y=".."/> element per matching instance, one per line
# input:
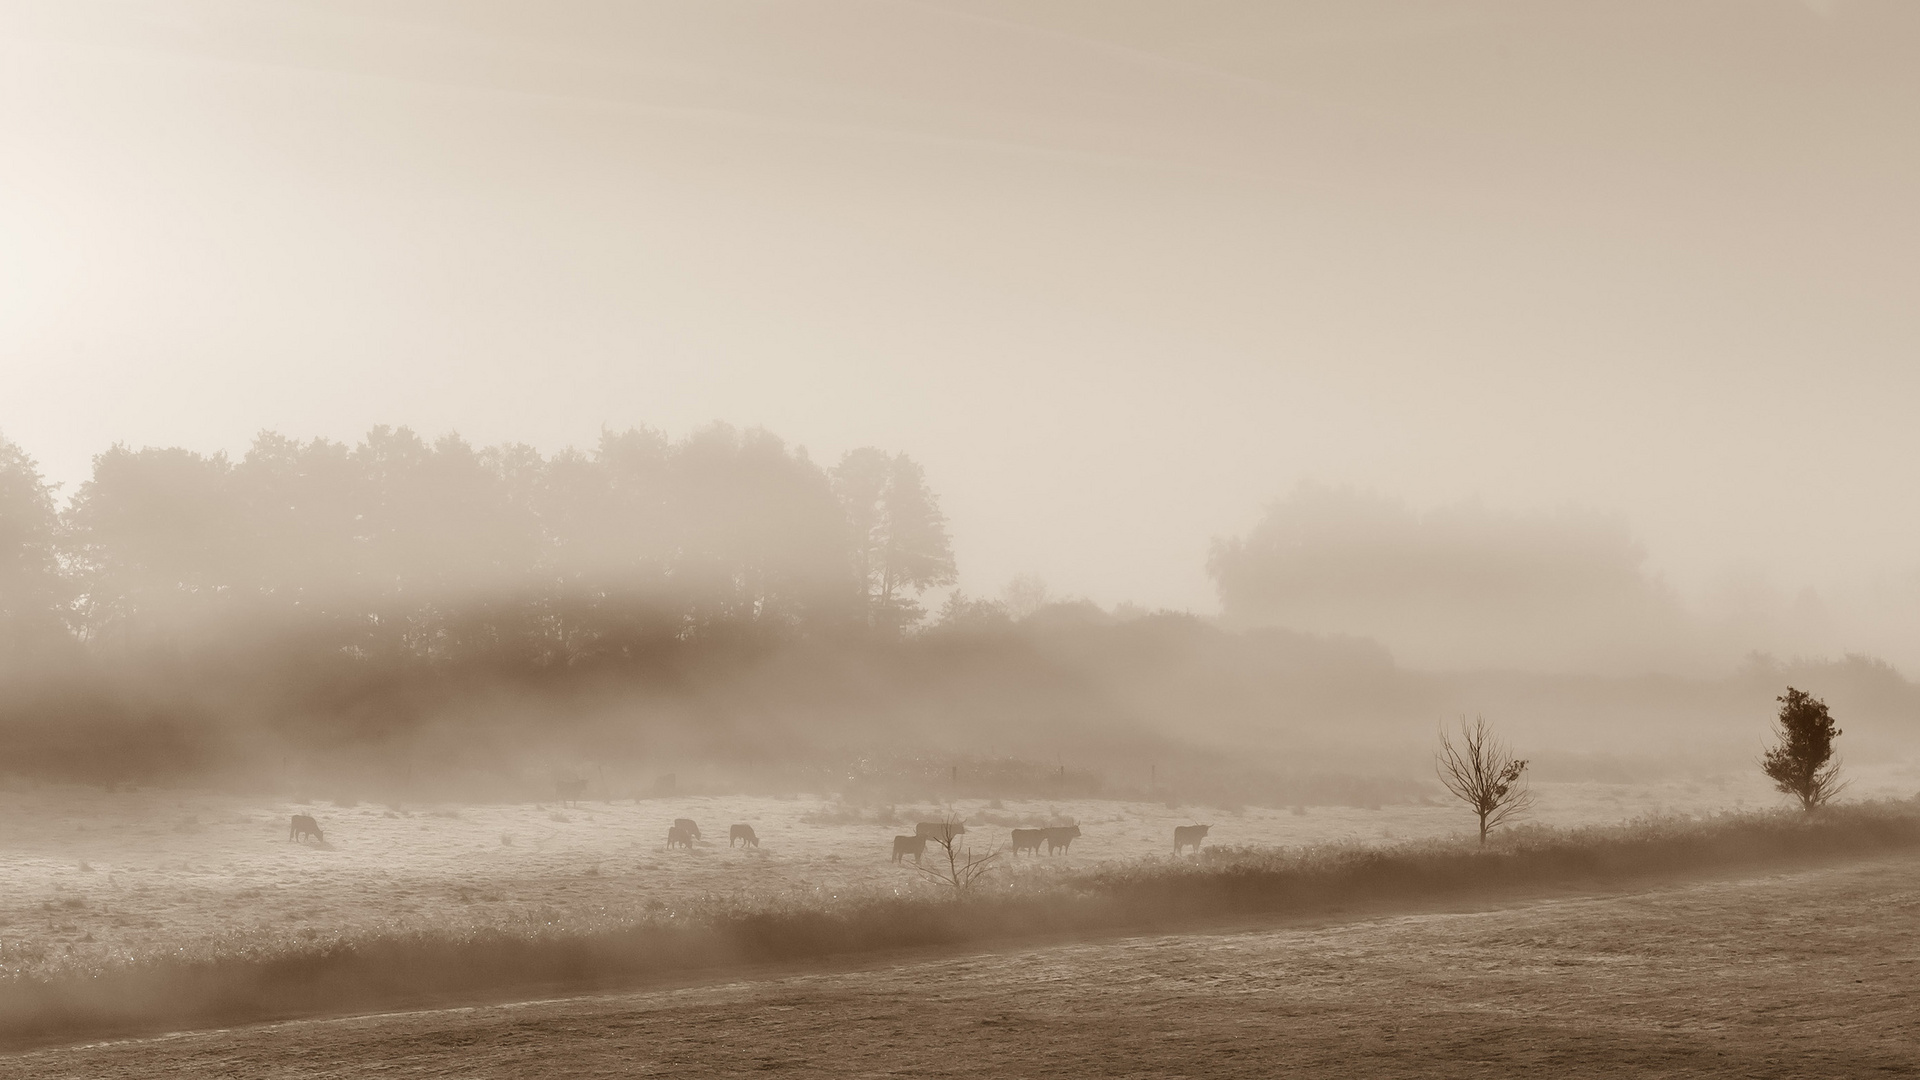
<point x="93" y="879"/>
<point x="139" y="929"/>
<point x="1804" y="974"/>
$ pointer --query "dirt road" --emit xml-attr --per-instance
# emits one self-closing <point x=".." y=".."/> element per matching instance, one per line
<point x="1806" y="974"/>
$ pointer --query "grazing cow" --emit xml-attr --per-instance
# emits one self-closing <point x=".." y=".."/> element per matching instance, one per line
<point x="744" y="834"/>
<point x="679" y="836"/>
<point x="1028" y="840"/>
<point x="687" y="824"/>
<point x="939" y="831"/>
<point x="1189" y="836"/>
<point x="904" y="846"/>
<point x="570" y="790"/>
<point x="1061" y="838"/>
<point x="303" y="827"/>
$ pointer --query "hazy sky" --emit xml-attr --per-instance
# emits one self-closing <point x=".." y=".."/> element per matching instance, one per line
<point x="1115" y="272"/>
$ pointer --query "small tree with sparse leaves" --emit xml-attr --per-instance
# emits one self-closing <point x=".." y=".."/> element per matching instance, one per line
<point x="1802" y="764"/>
<point x="1484" y="774"/>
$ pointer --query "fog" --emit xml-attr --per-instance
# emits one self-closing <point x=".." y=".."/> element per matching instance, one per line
<point x="1428" y="486"/>
<point x="1642" y="260"/>
<point x="405" y="619"/>
<point x="1383" y="346"/>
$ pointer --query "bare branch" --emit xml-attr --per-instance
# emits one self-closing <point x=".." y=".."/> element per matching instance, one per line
<point x="957" y="867"/>
<point x="1481" y="772"/>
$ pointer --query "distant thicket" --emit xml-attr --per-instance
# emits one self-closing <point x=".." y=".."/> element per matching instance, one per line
<point x="399" y="548"/>
<point x="398" y="608"/>
<point x="350" y="587"/>
<point x="399" y="613"/>
<point x="1456" y="587"/>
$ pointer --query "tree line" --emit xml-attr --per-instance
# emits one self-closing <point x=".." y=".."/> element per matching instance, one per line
<point x="400" y="547"/>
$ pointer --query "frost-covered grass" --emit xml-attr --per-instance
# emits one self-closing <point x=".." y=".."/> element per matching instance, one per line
<point x="90" y="880"/>
<point x="527" y="951"/>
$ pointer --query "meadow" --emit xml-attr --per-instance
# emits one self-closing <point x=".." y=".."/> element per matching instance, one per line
<point x="1775" y="975"/>
<point x="96" y="879"/>
<point x="177" y="890"/>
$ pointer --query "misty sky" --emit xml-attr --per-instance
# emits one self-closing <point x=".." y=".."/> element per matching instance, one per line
<point x="1116" y="273"/>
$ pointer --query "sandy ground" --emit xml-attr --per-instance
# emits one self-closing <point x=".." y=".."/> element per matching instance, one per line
<point x="1809" y="974"/>
<point x="88" y="877"/>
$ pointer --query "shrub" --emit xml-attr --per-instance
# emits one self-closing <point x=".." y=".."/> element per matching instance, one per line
<point x="1801" y="764"/>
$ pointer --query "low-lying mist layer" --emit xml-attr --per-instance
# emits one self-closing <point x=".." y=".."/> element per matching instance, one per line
<point x="1067" y="704"/>
<point x="403" y="620"/>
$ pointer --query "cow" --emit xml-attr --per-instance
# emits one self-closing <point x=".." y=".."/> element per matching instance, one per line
<point x="1061" y="837"/>
<point x="904" y="846"/>
<point x="570" y="790"/>
<point x="680" y="836"/>
<point x="303" y="827"/>
<point x="687" y="824"/>
<point x="1028" y="840"/>
<point x="1189" y="836"/>
<point x="939" y="831"/>
<point x="744" y="834"/>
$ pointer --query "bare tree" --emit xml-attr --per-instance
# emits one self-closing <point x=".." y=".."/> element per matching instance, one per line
<point x="954" y="866"/>
<point x="1483" y="773"/>
<point x="1802" y="765"/>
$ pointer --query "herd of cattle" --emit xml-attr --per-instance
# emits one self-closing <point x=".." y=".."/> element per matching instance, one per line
<point x="685" y="831"/>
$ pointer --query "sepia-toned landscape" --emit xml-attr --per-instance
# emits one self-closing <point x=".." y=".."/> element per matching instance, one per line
<point x="1056" y="538"/>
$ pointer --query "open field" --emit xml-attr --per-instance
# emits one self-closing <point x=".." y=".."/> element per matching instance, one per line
<point x="1811" y="973"/>
<point x="94" y="878"/>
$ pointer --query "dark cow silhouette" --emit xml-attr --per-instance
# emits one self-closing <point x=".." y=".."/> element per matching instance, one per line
<point x="904" y="846"/>
<point x="1061" y="837"/>
<point x="687" y="824"/>
<point x="939" y="831"/>
<point x="1028" y="840"/>
<point x="680" y="837"/>
<point x="744" y="834"/>
<point x="303" y="827"/>
<point x="1189" y="836"/>
<point x="570" y="790"/>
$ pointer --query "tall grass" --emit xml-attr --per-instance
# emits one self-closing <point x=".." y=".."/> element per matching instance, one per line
<point x="403" y="969"/>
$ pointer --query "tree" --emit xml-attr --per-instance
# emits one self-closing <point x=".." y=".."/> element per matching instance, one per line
<point x="1802" y="764"/>
<point x="759" y="536"/>
<point x="956" y="867"/>
<point x="32" y="591"/>
<point x="965" y="614"/>
<point x="1483" y="773"/>
<point x="1024" y="595"/>
<point x="156" y="539"/>
<point x="299" y="544"/>
<point x="1455" y="586"/>
<point x="900" y="535"/>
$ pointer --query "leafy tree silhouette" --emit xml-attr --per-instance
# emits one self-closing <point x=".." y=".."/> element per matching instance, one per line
<point x="901" y="542"/>
<point x="153" y="538"/>
<point x="1802" y="764"/>
<point x="32" y="594"/>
